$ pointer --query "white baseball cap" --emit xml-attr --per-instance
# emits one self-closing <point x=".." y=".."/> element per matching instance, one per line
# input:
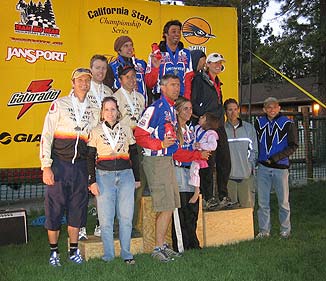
<point x="215" y="57"/>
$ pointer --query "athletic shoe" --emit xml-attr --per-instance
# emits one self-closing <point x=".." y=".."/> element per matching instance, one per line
<point x="82" y="235"/>
<point x="225" y="202"/>
<point x="54" y="259"/>
<point x="284" y="234"/>
<point x="130" y="261"/>
<point x="170" y="253"/>
<point x="262" y="235"/>
<point x="97" y="231"/>
<point x="76" y="257"/>
<point x="160" y="255"/>
<point x="93" y="211"/>
<point x="212" y="203"/>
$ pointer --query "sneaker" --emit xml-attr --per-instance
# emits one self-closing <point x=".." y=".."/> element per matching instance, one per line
<point x="76" y="257"/>
<point x="262" y="235"/>
<point x="170" y="253"/>
<point x="130" y="261"/>
<point x="93" y="211"/>
<point x="54" y="259"/>
<point x="160" y="255"/>
<point x="82" y="234"/>
<point x="225" y="202"/>
<point x="284" y="234"/>
<point x="97" y="231"/>
<point x="211" y="203"/>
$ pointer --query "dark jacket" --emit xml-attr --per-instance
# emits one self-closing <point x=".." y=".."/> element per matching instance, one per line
<point x="204" y="96"/>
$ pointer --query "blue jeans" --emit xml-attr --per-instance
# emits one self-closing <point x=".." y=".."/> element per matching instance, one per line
<point x="266" y="179"/>
<point x="116" y="195"/>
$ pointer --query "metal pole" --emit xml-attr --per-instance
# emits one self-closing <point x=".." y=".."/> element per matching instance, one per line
<point x="250" y="62"/>
<point x="241" y="56"/>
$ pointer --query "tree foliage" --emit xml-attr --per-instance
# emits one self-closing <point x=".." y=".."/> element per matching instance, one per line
<point x="298" y="52"/>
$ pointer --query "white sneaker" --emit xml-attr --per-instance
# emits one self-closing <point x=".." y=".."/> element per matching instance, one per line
<point x="82" y="234"/>
<point x="97" y="231"/>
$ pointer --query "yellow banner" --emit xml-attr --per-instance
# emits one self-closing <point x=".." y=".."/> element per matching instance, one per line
<point x="43" y="41"/>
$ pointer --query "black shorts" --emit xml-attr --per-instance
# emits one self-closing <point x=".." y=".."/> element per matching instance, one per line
<point x="69" y="194"/>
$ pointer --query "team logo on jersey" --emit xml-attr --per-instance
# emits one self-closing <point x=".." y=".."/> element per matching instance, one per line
<point x="36" y="18"/>
<point x="197" y="31"/>
<point x="38" y="91"/>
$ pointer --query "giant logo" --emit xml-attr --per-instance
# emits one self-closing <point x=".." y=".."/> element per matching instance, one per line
<point x="38" y="91"/>
<point x="5" y="138"/>
<point x="36" y="18"/>
<point x="197" y="31"/>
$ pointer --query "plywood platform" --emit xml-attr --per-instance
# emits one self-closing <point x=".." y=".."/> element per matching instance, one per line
<point x="228" y="226"/>
<point x="93" y="247"/>
<point x="213" y="229"/>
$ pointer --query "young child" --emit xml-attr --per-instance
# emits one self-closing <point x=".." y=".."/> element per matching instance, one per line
<point x="201" y="173"/>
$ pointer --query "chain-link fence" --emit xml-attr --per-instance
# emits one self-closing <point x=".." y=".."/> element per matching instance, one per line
<point x="307" y="163"/>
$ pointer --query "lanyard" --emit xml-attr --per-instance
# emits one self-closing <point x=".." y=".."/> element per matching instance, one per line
<point x="98" y="93"/>
<point x="113" y="142"/>
<point x="79" y="110"/>
<point x="132" y="104"/>
<point x="174" y="57"/>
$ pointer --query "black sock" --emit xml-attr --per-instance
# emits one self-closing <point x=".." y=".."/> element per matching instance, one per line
<point x="73" y="248"/>
<point x="97" y="222"/>
<point x="54" y="248"/>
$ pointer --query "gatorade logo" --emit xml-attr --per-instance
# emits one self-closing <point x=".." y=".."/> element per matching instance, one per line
<point x="197" y="31"/>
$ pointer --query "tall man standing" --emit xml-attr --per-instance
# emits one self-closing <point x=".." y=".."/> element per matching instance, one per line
<point x="243" y="151"/>
<point x="277" y="140"/>
<point x="156" y="133"/>
<point x="63" y="155"/>
<point x="175" y="59"/>
<point x="131" y="105"/>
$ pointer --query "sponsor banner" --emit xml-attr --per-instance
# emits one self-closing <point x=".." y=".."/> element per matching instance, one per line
<point x="43" y="41"/>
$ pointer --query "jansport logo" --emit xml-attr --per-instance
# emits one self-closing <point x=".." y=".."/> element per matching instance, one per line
<point x="31" y="55"/>
<point x="36" y="19"/>
<point x="37" y="92"/>
<point x="197" y="31"/>
<point x="5" y="138"/>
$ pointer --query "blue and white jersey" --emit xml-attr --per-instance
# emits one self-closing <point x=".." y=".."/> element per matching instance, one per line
<point x="155" y="120"/>
<point x="273" y="137"/>
<point x="140" y="67"/>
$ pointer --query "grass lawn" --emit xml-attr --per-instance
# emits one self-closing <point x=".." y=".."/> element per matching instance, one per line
<point x="302" y="257"/>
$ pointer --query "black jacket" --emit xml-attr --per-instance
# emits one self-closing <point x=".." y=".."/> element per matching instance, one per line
<point x="204" y="97"/>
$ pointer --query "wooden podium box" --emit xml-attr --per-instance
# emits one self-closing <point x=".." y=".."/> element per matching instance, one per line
<point x="93" y="247"/>
<point x="213" y="229"/>
<point x="149" y="225"/>
<point x="228" y="226"/>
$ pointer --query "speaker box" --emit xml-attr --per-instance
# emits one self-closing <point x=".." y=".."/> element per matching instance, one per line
<point x="13" y="227"/>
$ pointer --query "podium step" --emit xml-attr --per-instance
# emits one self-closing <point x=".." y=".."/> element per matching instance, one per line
<point x="93" y="247"/>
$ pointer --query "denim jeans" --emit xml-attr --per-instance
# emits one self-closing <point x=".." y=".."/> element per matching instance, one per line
<point x="279" y="179"/>
<point x="116" y="196"/>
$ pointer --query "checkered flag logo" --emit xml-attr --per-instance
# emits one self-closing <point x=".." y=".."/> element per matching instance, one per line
<point x="36" y="14"/>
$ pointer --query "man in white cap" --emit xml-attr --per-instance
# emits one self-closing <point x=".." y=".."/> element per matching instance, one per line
<point x="63" y="154"/>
